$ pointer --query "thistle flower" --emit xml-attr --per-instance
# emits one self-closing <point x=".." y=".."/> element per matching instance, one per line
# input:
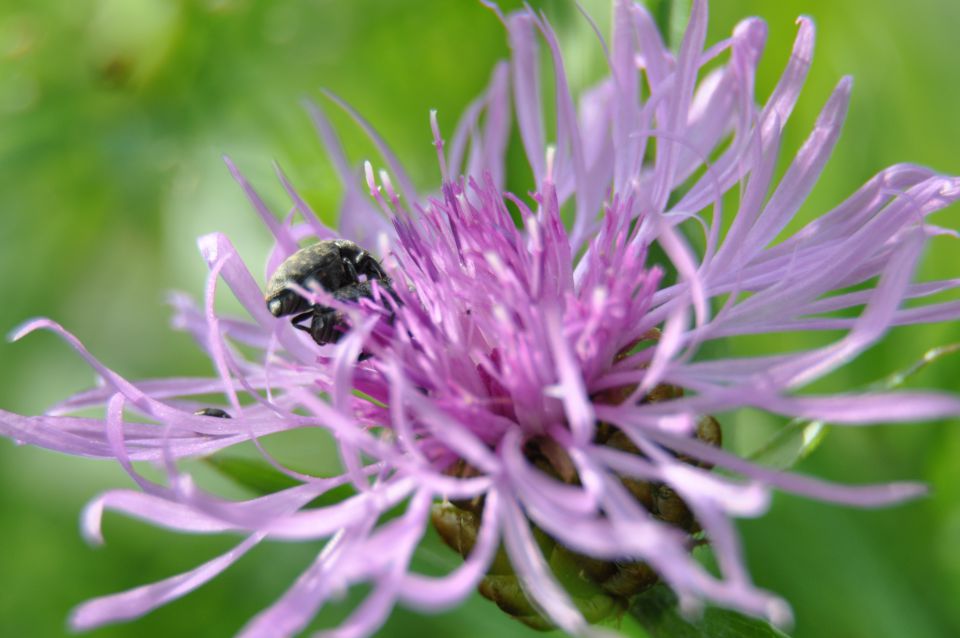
<point x="534" y="390"/>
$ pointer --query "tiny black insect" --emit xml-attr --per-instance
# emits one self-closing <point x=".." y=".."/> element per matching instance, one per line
<point x="336" y="266"/>
<point x="214" y="412"/>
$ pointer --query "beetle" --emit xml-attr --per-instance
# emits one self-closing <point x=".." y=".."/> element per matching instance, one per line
<point x="214" y="412"/>
<point x="336" y="265"/>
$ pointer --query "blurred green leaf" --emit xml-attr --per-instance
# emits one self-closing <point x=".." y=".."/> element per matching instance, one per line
<point x="898" y="378"/>
<point x="800" y="437"/>
<point x="256" y="475"/>
<point x="261" y="478"/>
<point x="791" y="444"/>
<point x="656" y="611"/>
<point x="672" y="17"/>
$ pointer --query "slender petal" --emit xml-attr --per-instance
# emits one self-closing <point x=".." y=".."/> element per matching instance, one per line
<point x="548" y="385"/>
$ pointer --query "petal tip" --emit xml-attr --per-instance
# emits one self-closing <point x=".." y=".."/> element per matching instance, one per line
<point x="90" y="523"/>
<point x="22" y="330"/>
<point x="210" y="246"/>
<point x="753" y="31"/>
<point x="80" y="620"/>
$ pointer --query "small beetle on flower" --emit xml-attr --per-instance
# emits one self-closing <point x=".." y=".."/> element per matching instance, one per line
<point x="336" y="265"/>
<point x="539" y="395"/>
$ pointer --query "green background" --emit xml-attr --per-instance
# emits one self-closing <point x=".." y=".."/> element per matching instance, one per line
<point x="113" y="118"/>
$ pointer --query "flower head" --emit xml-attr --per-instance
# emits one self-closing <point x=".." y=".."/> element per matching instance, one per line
<point x="529" y="384"/>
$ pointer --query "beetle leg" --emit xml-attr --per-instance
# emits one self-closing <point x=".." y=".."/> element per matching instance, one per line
<point x="318" y="326"/>
<point x="323" y="327"/>
<point x="329" y="334"/>
<point x="297" y="321"/>
<point x="304" y="327"/>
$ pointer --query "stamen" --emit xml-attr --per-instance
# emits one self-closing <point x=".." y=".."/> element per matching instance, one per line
<point x="438" y="144"/>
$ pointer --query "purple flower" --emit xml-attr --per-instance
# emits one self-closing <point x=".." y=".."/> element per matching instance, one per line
<point x="541" y="379"/>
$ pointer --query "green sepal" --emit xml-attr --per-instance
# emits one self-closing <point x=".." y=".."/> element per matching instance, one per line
<point x="458" y="528"/>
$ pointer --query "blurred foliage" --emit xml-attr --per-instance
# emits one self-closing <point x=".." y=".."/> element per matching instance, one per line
<point x="113" y="118"/>
<point x="658" y="609"/>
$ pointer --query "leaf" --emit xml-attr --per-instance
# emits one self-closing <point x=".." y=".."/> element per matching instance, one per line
<point x="261" y="478"/>
<point x="792" y="443"/>
<point x="899" y="378"/>
<point x="672" y="17"/>
<point x="800" y="437"/>
<point x="656" y="611"/>
<point x="254" y="474"/>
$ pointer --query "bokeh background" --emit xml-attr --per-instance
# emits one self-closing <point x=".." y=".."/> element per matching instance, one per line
<point x="114" y="115"/>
